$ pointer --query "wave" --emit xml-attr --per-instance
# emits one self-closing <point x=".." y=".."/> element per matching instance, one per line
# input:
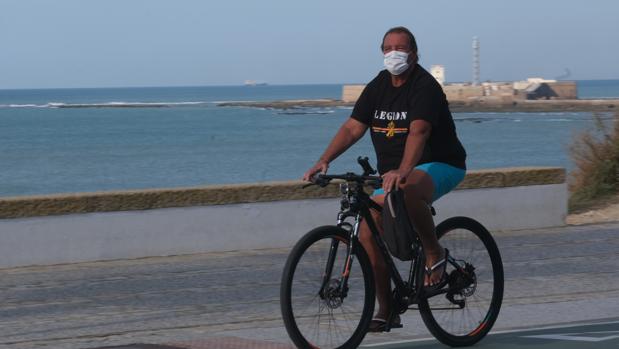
<point x="234" y="101"/>
<point x="110" y="105"/>
<point x="475" y="120"/>
<point x="556" y="120"/>
<point x="305" y="111"/>
<point x="23" y="106"/>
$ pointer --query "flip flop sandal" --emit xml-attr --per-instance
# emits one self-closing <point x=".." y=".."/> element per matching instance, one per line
<point x="380" y="325"/>
<point x="443" y="281"/>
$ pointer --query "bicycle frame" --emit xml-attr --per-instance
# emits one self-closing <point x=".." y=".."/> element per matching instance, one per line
<point x="457" y="284"/>
<point x="357" y="205"/>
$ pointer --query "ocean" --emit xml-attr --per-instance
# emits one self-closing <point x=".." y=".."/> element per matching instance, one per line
<point x="164" y="137"/>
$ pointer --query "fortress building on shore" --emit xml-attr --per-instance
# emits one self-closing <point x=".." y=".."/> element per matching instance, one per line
<point x="491" y="92"/>
<point x="495" y="91"/>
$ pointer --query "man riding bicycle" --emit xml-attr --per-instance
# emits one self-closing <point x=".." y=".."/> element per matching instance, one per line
<point x="417" y="151"/>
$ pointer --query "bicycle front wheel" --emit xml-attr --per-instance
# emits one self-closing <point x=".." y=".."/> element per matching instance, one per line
<point x="319" y="309"/>
<point x="467" y="312"/>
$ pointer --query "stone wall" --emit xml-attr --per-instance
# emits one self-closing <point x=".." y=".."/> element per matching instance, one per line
<point x="565" y="89"/>
<point x="495" y="91"/>
<point x="462" y="92"/>
<point x="46" y="205"/>
<point x="57" y="229"/>
<point x="350" y="93"/>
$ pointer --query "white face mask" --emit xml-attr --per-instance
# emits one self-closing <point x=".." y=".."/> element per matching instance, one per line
<point x="396" y="62"/>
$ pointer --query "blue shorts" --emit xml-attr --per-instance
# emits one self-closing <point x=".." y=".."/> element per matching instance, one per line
<point x="444" y="177"/>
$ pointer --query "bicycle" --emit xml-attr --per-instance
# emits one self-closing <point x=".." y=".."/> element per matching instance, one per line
<point x="327" y="288"/>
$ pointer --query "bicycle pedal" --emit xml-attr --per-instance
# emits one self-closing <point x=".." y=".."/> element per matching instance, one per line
<point x="387" y="329"/>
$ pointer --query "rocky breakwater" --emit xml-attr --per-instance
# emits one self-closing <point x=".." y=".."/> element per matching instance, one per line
<point x="461" y="106"/>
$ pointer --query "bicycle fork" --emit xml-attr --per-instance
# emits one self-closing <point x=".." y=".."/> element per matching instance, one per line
<point x="331" y="287"/>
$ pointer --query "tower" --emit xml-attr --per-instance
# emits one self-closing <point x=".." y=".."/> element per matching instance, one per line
<point x="475" y="61"/>
<point x="438" y="71"/>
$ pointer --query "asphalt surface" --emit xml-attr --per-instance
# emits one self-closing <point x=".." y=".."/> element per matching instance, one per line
<point x="558" y="276"/>
<point x="595" y="335"/>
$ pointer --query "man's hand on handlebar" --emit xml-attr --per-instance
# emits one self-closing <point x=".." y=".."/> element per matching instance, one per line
<point x="320" y="167"/>
<point x="317" y="175"/>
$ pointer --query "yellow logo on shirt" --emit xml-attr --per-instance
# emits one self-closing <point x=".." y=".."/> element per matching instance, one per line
<point x="390" y="130"/>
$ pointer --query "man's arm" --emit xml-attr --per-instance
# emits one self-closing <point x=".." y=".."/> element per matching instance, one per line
<point x="348" y="134"/>
<point x="418" y="134"/>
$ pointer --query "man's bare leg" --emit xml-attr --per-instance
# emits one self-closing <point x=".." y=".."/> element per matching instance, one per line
<point x="381" y="275"/>
<point x="418" y="191"/>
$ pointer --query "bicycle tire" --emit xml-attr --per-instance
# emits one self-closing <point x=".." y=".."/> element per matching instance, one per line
<point x="305" y="331"/>
<point x="454" y="233"/>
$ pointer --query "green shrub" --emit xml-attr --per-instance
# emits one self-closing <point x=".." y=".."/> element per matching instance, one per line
<point x="596" y="158"/>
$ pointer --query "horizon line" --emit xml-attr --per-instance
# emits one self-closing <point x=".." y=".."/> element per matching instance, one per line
<point x="244" y="85"/>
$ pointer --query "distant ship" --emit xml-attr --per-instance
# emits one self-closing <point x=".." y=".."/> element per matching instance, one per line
<point x="254" y="83"/>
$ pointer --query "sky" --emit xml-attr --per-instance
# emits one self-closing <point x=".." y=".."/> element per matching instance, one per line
<point x="122" y="43"/>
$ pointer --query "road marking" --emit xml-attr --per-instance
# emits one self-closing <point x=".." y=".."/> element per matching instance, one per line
<point x="498" y="332"/>
<point x="578" y="337"/>
<point x="404" y="341"/>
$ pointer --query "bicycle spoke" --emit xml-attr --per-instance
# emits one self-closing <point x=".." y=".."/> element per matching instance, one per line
<point x="474" y="282"/>
<point x="325" y="317"/>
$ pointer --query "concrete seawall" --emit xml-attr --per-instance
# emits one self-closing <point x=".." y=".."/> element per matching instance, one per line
<point x="131" y="224"/>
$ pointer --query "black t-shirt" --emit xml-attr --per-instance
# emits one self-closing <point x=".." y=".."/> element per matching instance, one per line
<point x="389" y="110"/>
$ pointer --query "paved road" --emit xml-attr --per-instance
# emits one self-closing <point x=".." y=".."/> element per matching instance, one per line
<point x="553" y="276"/>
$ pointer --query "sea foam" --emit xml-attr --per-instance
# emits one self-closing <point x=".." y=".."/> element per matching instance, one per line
<point x="108" y="105"/>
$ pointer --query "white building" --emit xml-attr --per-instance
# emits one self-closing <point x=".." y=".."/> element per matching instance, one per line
<point x="438" y="71"/>
<point x="531" y="82"/>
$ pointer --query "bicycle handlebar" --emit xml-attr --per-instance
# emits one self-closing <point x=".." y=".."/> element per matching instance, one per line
<point x="323" y="180"/>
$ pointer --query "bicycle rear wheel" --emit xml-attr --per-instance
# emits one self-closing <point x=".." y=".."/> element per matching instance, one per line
<point x="317" y="310"/>
<point x="465" y="315"/>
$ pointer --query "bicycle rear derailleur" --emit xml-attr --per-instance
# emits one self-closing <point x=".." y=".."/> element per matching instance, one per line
<point x="462" y="282"/>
